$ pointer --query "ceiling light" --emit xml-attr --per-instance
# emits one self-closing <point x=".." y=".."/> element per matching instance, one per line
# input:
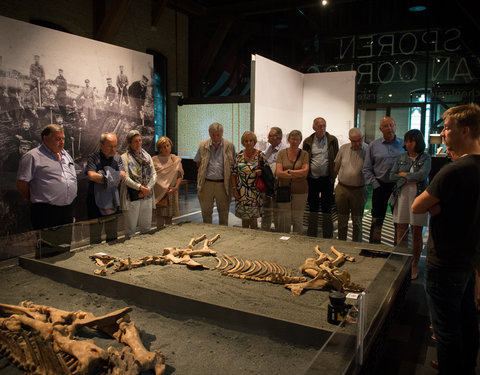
<point x="417" y="8"/>
<point x="324" y="2"/>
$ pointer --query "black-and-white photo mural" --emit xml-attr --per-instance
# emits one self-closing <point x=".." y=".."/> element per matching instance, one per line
<point x="88" y="87"/>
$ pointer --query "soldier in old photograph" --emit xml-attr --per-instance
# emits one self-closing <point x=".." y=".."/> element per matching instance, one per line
<point x="37" y="75"/>
<point x="137" y="92"/>
<point x="61" y="94"/>
<point x="122" y="85"/>
<point x="89" y="106"/>
<point x="110" y="95"/>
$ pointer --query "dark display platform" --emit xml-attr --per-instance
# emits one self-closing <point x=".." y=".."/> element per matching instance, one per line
<point x="264" y="308"/>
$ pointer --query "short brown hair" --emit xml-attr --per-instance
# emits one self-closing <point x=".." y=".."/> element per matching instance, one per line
<point x="161" y="141"/>
<point x="293" y="133"/>
<point x="466" y="115"/>
<point x="247" y="134"/>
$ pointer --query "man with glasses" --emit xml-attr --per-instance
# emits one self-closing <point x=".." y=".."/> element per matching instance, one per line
<point x="379" y="159"/>
<point x="453" y="248"/>
<point x="270" y="211"/>
<point x="350" y="193"/>
<point x="322" y="149"/>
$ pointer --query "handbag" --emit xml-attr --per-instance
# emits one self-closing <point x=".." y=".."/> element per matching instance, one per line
<point x="283" y="194"/>
<point x="260" y="185"/>
<point x="133" y="194"/>
<point x="262" y="182"/>
<point x="268" y="179"/>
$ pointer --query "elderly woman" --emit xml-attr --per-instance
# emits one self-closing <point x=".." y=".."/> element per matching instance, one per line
<point x="292" y="170"/>
<point x="169" y="176"/>
<point x="410" y="173"/>
<point x="245" y="171"/>
<point x="137" y="198"/>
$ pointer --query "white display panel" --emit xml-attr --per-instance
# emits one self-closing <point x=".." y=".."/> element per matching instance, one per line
<point x="194" y="120"/>
<point x="291" y="100"/>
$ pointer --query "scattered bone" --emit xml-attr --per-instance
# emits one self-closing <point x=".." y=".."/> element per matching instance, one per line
<point x="325" y="273"/>
<point x="194" y="241"/>
<point x="129" y="335"/>
<point x="102" y="272"/>
<point x="171" y="255"/>
<point x="47" y="344"/>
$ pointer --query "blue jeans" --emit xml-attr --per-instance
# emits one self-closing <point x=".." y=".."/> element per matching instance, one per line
<point x="450" y="299"/>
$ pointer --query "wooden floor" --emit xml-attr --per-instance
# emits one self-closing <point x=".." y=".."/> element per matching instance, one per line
<point x="409" y="347"/>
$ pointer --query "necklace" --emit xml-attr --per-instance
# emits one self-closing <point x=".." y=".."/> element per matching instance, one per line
<point x="249" y="157"/>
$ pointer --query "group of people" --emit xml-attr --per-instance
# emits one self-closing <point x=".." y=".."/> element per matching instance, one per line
<point x="397" y="170"/>
<point x="133" y="183"/>
<point x="310" y="174"/>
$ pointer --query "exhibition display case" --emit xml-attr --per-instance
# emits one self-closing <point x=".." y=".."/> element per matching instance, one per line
<point x="267" y="309"/>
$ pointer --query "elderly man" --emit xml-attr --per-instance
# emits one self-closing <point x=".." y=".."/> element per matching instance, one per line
<point x="322" y="149"/>
<point x="379" y="159"/>
<point x="104" y="171"/>
<point x="214" y="160"/>
<point x="350" y="193"/>
<point x="270" y="210"/>
<point x="453" y="249"/>
<point x="46" y="177"/>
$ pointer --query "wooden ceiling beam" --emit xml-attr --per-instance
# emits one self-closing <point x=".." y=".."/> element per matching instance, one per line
<point x="112" y="21"/>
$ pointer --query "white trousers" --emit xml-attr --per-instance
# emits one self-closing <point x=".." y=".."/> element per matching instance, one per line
<point x="138" y="213"/>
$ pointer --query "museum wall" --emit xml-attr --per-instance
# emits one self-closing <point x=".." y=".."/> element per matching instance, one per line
<point x="169" y="37"/>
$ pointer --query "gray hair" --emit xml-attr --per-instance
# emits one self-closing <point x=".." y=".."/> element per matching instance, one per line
<point x="353" y="132"/>
<point x="277" y="131"/>
<point x="293" y="133"/>
<point x="131" y="134"/>
<point x="215" y="127"/>
<point x="103" y="137"/>
<point x="51" y="128"/>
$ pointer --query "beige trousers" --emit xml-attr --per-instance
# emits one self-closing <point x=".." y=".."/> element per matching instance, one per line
<point x="214" y="192"/>
<point x="292" y="213"/>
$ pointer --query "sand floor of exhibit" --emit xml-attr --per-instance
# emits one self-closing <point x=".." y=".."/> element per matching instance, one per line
<point x="257" y="307"/>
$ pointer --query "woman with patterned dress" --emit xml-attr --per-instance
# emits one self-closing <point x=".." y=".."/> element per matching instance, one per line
<point x="245" y="171"/>
<point x="169" y="177"/>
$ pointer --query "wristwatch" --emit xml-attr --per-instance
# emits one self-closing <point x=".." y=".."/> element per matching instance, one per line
<point x="288" y="171"/>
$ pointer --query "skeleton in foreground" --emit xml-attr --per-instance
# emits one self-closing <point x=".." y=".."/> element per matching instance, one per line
<point x="42" y="340"/>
